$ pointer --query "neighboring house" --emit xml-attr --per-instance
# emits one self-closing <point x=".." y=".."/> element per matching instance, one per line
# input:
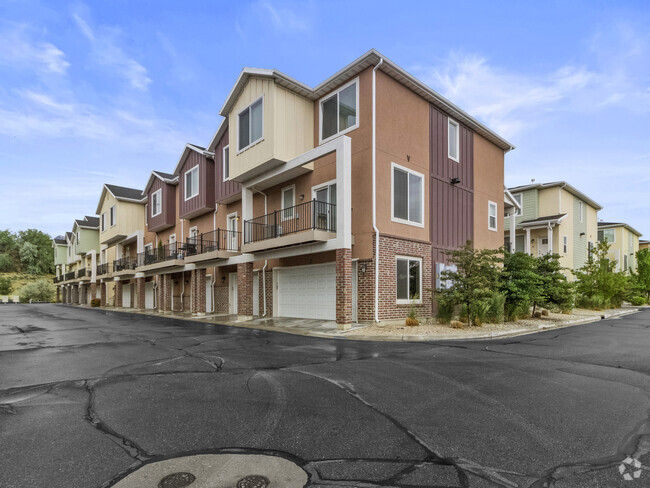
<point x="644" y="244"/>
<point x="555" y="218"/>
<point x="121" y="237"/>
<point x="60" y="246"/>
<point x="624" y="244"/>
<point x="336" y="202"/>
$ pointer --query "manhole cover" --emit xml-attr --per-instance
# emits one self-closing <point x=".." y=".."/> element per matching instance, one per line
<point x="177" y="480"/>
<point x="253" y="481"/>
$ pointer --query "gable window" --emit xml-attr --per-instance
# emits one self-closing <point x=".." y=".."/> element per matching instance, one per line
<point x="518" y="197"/>
<point x="103" y="221"/>
<point x="113" y="215"/>
<point x="453" y="136"/>
<point x="338" y="112"/>
<point x="251" y="124"/>
<point x="288" y="202"/>
<point x="565" y="244"/>
<point x="581" y="211"/>
<point x="492" y="216"/>
<point x="408" y="196"/>
<point x="608" y="235"/>
<point x="226" y="163"/>
<point x="409" y="280"/>
<point x="192" y="183"/>
<point x="156" y="203"/>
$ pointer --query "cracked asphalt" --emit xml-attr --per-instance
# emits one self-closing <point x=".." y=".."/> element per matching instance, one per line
<point x="87" y="396"/>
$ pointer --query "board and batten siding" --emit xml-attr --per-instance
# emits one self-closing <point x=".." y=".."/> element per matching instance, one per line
<point x="204" y="201"/>
<point x="224" y="190"/>
<point x="168" y="200"/>
<point x="451" y="210"/>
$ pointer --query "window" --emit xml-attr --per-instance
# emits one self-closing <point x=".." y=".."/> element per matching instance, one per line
<point x="608" y="235"/>
<point x="408" y="196"/>
<point x="192" y="183"/>
<point x="338" y="112"/>
<point x="625" y="262"/>
<point x="492" y="216"/>
<point x="288" y="202"/>
<point x="194" y="231"/>
<point x="590" y="250"/>
<point x="518" y="197"/>
<point x="251" y="124"/>
<point x="409" y="280"/>
<point x="156" y="203"/>
<point x="581" y="211"/>
<point x="565" y="244"/>
<point x="103" y="221"/>
<point x="113" y="215"/>
<point x="226" y="163"/>
<point x="146" y="214"/>
<point x="453" y="132"/>
<point x="148" y="248"/>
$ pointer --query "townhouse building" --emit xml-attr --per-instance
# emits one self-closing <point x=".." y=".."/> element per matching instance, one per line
<point x="555" y="218"/>
<point x="336" y="202"/>
<point x="644" y="244"/>
<point x="624" y="244"/>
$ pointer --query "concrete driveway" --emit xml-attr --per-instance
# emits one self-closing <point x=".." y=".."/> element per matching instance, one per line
<point x="92" y="398"/>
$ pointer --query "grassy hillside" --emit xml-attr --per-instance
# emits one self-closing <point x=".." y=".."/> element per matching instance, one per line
<point x="20" y="279"/>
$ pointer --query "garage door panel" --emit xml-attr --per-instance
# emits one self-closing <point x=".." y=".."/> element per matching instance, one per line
<point x="307" y="292"/>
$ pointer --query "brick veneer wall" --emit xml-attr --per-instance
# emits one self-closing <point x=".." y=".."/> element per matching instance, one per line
<point x="118" y="294"/>
<point x="343" y="286"/>
<point x="366" y="290"/>
<point x="269" y="293"/>
<point x="167" y="292"/>
<point x="58" y="294"/>
<point x="221" y="299"/>
<point x="139" y="292"/>
<point x="245" y="289"/>
<point x="102" y="292"/>
<point x="82" y="294"/>
<point x="198" y="291"/>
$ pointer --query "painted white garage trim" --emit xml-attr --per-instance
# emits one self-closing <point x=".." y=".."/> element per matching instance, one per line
<point x="126" y="295"/>
<point x="148" y="295"/>
<point x="306" y="291"/>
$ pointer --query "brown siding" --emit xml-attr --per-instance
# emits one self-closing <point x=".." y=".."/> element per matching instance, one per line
<point x="488" y="186"/>
<point x="204" y="201"/>
<point x="452" y="212"/>
<point x="223" y="189"/>
<point x="168" y="216"/>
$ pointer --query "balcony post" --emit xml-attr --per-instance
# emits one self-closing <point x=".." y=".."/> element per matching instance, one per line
<point x="201" y="239"/>
<point x="218" y="239"/>
<point x="313" y="214"/>
<point x="275" y="223"/>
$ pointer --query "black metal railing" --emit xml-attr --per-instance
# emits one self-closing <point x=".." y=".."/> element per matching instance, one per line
<point x="304" y="216"/>
<point x="124" y="264"/>
<point x="102" y="269"/>
<point x="58" y="279"/>
<point x="161" y="254"/>
<point x="69" y="276"/>
<point x="216" y="240"/>
<point x="81" y="273"/>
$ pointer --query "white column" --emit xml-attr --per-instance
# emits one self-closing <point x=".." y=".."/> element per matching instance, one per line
<point x="550" y="239"/>
<point x="344" y="193"/>
<point x="527" y="243"/>
<point x="513" y="225"/>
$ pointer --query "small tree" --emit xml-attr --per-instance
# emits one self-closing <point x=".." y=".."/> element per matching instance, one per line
<point x="476" y="277"/>
<point x="642" y="276"/>
<point x="520" y="283"/>
<point x="38" y="291"/>
<point x="598" y="281"/>
<point x="5" y="286"/>
<point x="556" y="291"/>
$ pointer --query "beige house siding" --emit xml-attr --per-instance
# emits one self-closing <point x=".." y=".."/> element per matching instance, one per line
<point x="625" y="243"/>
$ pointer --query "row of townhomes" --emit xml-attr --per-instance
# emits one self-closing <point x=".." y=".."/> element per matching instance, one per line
<point x="336" y="202"/>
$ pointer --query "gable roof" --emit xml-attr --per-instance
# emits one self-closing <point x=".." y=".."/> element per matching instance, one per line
<point x="611" y="225"/>
<point x="571" y="189"/>
<point x="223" y="126"/>
<point x="164" y="177"/>
<point x="371" y="58"/>
<point x="186" y="151"/>
<point x="121" y="193"/>
<point x="553" y="219"/>
<point x="59" y="240"/>
<point x="69" y="236"/>
<point x="87" y="222"/>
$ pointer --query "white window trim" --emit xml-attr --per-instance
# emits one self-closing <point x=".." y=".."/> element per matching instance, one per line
<point x="565" y="244"/>
<point x="581" y="211"/>
<point x="613" y="230"/>
<point x="496" y="215"/>
<point x="519" y="211"/>
<point x="103" y="221"/>
<point x="170" y="238"/>
<point x="198" y="182"/>
<point x="320" y="113"/>
<point x="321" y="186"/>
<point x="250" y="120"/>
<point x="403" y="301"/>
<point x="449" y="122"/>
<point x="194" y="229"/>
<point x="112" y="212"/>
<point x="148" y="247"/>
<point x="153" y="207"/>
<point x="228" y="218"/>
<point x="282" y="207"/>
<point x="146" y="214"/>
<point x="392" y="195"/>
<point x="223" y="157"/>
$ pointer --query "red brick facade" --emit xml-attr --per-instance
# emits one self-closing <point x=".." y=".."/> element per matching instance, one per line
<point x="167" y="291"/>
<point x="102" y="292"/>
<point x="245" y="289"/>
<point x="118" y="293"/>
<point x="344" y="287"/>
<point x="198" y="291"/>
<point x="139" y="293"/>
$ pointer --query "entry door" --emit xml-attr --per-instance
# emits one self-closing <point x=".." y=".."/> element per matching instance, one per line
<point x="543" y="246"/>
<point x="208" y="293"/>
<point x="172" y="245"/>
<point x="232" y="294"/>
<point x="232" y="234"/>
<point x="256" y="293"/>
<point x="325" y="214"/>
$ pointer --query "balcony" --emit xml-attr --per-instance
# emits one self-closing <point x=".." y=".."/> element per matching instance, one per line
<point x="216" y="244"/>
<point x="306" y="222"/>
<point x="69" y="276"/>
<point x="125" y="265"/>
<point x="81" y="273"/>
<point x="102" y="269"/>
<point x="161" y="257"/>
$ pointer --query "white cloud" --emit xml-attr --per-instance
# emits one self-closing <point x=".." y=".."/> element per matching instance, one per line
<point x="17" y="49"/>
<point x="284" y="19"/>
<point x="107" y="52"/>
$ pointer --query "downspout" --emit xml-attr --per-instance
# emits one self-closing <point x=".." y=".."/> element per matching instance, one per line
<point x="155" y="295"/>
<point x="264" y="285"/>
<point x="374" y="185"/>
<point x="182" y="292"/>
<point x="214" y="278"/>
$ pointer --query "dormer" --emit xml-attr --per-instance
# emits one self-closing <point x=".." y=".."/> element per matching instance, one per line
<point x="271" y="121"/>
<point x="161" y="201"/>
<point x="195" y="173"/>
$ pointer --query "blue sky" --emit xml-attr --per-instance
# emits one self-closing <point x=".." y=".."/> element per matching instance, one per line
<point x="107" y="91"/>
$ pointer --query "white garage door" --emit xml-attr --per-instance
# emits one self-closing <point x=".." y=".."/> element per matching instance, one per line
<point x="126" y="296"/>
<point x="307" y="292"/>
<point x="148" y="294"/>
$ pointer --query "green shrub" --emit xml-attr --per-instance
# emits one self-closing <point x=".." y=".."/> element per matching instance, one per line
<point x="496" y="308"/>
<point x="595" y="302"/>
<point x="95" y="302"/>
<point x="5" y="286"/>
<point x="462" y="313"/>
<point x="37" y="291"/>
<point x="480" y="310"/>
<point x="637" y="301"/>
<point x="6" y="263"/>
<point x="445" y="310"/>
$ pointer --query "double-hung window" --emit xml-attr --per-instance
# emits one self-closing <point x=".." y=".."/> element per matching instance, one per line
<point x="608" y="235"/>
<point x="408" y="196"/>
<point x="113" y="215"/>
<point x="250" y="121"/>
<point x="192" y="183"/>
<point x="409" y="280"/>
<point x="156" y="203"/>
<point x="520" y="201"/>
<point x="226" y="163"/>
<point x="453" y="136"/>
<point x="288" y="202"/>
<point x="565" y="244"/>
<point x="492" y="216"/>
<point x="339" y="111"/>
<point x="103" y="221"/>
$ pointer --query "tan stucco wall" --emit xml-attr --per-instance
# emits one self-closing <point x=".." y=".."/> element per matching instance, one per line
<point x="488" y="186"/>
